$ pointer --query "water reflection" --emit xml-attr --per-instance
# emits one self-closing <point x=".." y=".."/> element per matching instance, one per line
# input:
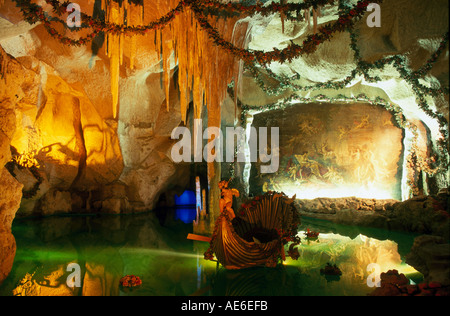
<point x="109" y="247"/>
<point x="186" y="214"/>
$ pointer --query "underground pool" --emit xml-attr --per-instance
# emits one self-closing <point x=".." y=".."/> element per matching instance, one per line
<point x="108" y="247"/>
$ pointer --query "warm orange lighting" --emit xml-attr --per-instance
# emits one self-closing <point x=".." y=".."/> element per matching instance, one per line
<point x="26" y="160"/>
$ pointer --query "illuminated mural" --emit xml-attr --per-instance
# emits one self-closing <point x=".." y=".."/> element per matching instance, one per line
<point x="333" y="150"/>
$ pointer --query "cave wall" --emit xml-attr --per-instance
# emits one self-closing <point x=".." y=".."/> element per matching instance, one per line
<point x="79" y="157"/>
<point x="63" y="150"/>
<point x="10" y="189"/>
<point x="413" y="29"/>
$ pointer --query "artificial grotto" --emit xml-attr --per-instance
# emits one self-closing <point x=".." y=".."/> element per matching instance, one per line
<point x="100" y="102"/>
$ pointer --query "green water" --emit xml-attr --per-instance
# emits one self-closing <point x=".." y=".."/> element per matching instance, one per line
<point x="109" y="247"/>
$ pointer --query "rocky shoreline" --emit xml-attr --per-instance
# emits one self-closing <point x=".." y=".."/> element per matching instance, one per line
<point x="421" y="214"/>
<point x="428" y="216"/>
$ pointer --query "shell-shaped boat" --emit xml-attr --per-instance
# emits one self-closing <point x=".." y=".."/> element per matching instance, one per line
<point x="256" y="236"/>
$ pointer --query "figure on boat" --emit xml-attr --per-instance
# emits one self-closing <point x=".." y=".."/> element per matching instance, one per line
<point x="226" y="201"/>
<point x="256" y="236"/>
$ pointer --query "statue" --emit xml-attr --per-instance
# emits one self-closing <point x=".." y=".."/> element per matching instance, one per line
<point x="226" y="201"/>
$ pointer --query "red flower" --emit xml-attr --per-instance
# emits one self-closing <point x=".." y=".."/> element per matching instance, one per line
<point x="130" y="281"/>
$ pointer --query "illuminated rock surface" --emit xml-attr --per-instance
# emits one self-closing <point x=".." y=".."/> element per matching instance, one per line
<point x="98" y="118"/>
<point x="84" y="148"/>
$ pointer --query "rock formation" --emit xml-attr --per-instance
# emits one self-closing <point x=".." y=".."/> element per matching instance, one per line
<point x="87" y="128"/>
<point x="10" y="188"/>
<point x="421" y="214"/>
<point x="430" y="255"/>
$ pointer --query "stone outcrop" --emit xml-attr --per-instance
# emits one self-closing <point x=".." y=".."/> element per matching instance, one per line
<point x="430" y="255"/>
<point x="10" y="188"/>
<point x="63" y="113"/>
<point x="55" y="108"/>
<point x="397" y="284"/>
<point x="10" y="196"/>
<point x="354" y="211"/>
<point x="421" y="214"/>
<point x="85" y="148"/>
<point x="412" y="29"/>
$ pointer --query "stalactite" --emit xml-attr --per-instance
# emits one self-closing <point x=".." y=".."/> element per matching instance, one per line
<point x="135" y="15"/>
<point x="133" y="46"/>
<point x="181" y="33"/>
<point x="124" y="13"/>
<point x="167" y="49"/>
<point x="113" y="13"/>
<point x="282" y="15"/>
<point x="204" y="71"/>
<point x="121" y="42"/>
<point x="315" y="21"/>
<point x="317" y="12"/>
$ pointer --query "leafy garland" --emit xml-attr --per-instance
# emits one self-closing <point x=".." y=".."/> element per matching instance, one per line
<point x="262" y="9"/>
<point x="293" y="50"/>
<point x="362" y="68"/>
<point x="202" y="9"/>
<point x="33" y="13"/>
<point x="399" y="62"/>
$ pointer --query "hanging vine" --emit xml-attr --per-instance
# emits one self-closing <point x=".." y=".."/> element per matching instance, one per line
<point x="363" y="68"/>
<point x="257" y="62"/>
<point x="33" y="13"/>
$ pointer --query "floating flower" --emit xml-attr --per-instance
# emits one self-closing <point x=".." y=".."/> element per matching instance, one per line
<point x="130" y="281"/>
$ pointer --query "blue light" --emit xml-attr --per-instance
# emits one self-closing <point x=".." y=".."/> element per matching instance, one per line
<point x="186" y="199"/>
<point x="185" y="206"/>
<point x="186" y="214"/>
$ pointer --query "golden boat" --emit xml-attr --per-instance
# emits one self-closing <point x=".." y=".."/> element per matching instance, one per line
<point x="258" y="233"/>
